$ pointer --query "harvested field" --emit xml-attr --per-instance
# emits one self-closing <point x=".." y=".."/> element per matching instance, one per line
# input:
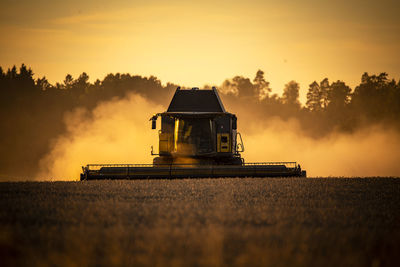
<point x="218" y="222"/>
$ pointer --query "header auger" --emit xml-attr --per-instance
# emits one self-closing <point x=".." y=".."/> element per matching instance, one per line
<point x="197" y="139"/>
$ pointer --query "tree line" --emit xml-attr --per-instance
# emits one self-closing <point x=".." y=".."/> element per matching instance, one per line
<point x="330" y="106"/>
<point x="32" y="110"/>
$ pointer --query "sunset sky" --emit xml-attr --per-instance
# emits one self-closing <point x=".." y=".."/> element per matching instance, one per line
<point x="194" y="43"/>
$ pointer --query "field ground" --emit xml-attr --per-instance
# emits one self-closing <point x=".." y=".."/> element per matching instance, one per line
<point x="217" y="222"/>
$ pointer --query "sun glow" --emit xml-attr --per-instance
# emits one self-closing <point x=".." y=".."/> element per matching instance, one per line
<point x="193" y="44"/>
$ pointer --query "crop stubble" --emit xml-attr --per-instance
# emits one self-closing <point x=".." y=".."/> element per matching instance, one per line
<point x="219" y="222"/>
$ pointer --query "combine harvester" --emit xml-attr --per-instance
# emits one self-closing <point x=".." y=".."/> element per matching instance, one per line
<point x="198" y="139"/>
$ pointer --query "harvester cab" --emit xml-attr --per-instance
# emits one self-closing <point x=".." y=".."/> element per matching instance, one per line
<point x="197" y="139"/>
<point x="196" y="128"/>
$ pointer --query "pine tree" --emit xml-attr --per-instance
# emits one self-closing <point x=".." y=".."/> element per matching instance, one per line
<point x="314" y="97"/>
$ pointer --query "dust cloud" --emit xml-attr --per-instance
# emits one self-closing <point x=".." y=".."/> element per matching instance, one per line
<point x="116" y="131"/>
<point x="372" y="151"/>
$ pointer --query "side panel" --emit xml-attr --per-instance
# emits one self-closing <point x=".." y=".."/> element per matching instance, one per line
<point x="223" y="142"/>
<point x="224" y="134"/>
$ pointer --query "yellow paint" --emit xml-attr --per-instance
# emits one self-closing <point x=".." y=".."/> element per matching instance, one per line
<point x="176" y="132"/>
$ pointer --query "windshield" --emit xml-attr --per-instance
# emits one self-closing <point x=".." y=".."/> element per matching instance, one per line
<point x="193" y="136"/>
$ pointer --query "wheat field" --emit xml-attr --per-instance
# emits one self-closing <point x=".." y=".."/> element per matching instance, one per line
<point x="202" y="222"/>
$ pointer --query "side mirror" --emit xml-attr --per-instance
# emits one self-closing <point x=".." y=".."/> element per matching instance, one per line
<point x="154" y="121"/>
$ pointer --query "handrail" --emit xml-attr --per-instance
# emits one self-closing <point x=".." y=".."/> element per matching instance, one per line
<point x="239" y="144"/>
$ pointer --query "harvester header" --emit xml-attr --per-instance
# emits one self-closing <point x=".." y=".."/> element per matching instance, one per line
<point x="197" y="139"/>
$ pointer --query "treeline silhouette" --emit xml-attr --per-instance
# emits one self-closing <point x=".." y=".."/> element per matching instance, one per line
<point x="330" y="107"/>
<point x="32" y="110"/>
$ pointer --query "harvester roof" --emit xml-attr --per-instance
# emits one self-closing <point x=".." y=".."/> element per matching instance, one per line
<point x="195" y="100"/>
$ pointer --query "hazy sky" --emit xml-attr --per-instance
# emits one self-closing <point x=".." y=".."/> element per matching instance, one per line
<point x="193" y="43"/>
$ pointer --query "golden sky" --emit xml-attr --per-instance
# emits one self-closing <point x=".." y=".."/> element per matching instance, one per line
<point x="194" y="43"/>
